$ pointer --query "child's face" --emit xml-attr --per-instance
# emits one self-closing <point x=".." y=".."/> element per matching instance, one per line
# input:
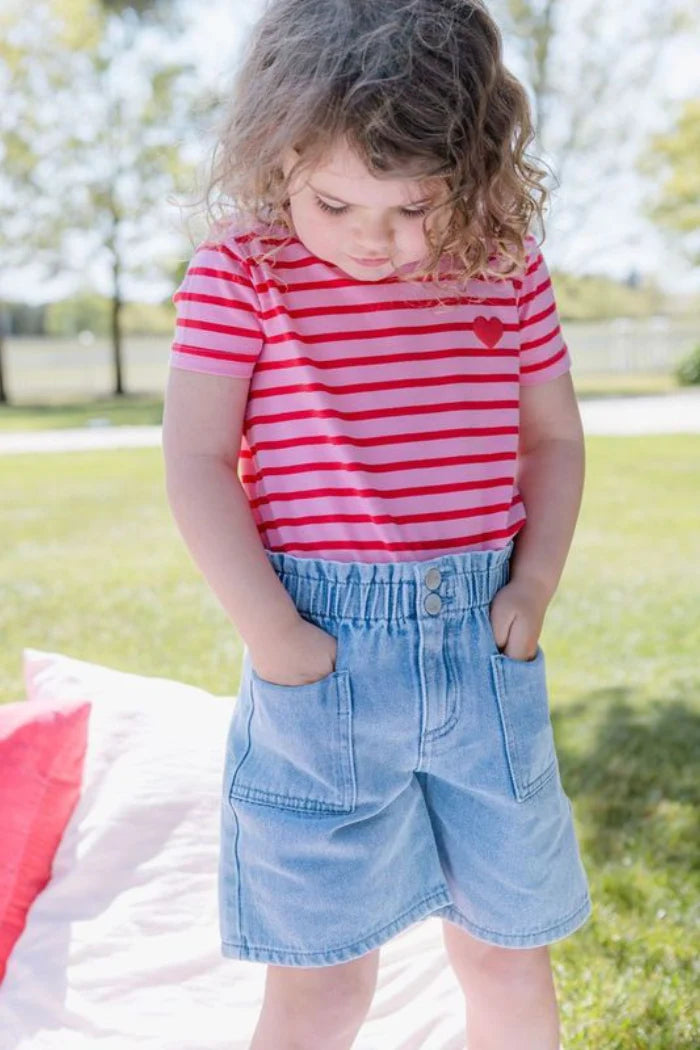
<point x="378" y="217"/>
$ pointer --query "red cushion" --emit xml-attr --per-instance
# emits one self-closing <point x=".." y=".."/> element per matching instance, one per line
<point x="42" y="751"/>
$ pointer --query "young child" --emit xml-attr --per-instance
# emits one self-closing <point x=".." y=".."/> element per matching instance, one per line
<point x="374" y="455"/>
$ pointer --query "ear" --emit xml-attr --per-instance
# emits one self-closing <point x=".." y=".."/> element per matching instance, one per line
<point x="289" y="159"/>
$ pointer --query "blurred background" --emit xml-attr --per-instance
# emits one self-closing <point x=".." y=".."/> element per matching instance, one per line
<point x="106" y="128"/>
<point x="106" y="131"/>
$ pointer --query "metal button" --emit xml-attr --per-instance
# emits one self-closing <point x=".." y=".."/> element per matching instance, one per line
<point x="432" y="578"/>
<point x="433" y="603"/>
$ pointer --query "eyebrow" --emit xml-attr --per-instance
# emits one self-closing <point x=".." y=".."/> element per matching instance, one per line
<point x="330" y="196"/>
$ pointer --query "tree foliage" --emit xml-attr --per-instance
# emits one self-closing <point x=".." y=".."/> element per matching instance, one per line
<point x="673" y="160"/>
<point x="98" y="107"/>
<point x="592" y="68"/>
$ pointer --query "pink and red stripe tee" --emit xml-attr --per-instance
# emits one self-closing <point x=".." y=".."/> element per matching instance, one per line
<point x="380" y="425"/>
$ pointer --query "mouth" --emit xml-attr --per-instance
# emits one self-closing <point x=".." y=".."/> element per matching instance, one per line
<point x="372" y="261"/>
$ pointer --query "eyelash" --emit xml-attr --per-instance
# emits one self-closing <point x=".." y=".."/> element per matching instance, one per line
<point x="341" y="211"/>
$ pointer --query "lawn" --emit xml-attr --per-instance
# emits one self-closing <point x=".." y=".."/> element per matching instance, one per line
<point x="92" y="566"/>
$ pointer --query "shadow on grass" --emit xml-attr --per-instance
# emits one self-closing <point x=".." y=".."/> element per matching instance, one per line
<point x="636" y="797"/>
<point x="639" y="780"/>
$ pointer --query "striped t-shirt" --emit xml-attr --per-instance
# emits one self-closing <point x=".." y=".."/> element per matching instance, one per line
<point x="379" y="425"/>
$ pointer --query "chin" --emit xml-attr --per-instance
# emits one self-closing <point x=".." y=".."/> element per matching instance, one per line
<point x="369" y="271"/>
<point x="366" y="272"/>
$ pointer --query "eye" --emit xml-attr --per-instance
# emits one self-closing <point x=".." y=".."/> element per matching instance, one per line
<point x="327" y="208"/>
<point x="416" y="213"/>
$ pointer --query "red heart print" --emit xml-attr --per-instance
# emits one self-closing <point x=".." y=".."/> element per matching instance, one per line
<point x="488" y="329"/>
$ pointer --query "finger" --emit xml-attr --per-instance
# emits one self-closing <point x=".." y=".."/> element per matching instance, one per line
<point x="502" y="633"/>
<point x="520" y="644"/>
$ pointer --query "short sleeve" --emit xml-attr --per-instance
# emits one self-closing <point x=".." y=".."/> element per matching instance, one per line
<point x="217" y="326"/>
<point x="544" y="354"/>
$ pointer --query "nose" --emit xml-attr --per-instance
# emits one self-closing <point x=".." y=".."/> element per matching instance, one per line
<point x="375" y="238"/>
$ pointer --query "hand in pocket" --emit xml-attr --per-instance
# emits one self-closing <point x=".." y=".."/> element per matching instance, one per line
<point x="517" y="614"/>
<point x="301" y="655"/>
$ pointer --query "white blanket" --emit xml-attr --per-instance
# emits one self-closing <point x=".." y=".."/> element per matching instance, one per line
<point x="121" y="949"/>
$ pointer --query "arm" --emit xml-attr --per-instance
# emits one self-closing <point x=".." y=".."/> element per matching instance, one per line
<point x="202" y="426"/>
<point x="551" y="473"/>
<point x="551" y="464"/>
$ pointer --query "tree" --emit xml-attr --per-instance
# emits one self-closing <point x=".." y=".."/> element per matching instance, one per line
<point x="591" y="69"/>
<point x="116" y="114"/>
<point x="29" y="226"/>
<point x="674" y="157"/>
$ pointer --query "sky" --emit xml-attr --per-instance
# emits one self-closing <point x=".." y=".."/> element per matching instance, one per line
<point x="219" y="27"/>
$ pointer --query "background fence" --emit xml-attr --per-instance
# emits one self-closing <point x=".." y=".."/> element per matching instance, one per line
<point x="55" y="368"/>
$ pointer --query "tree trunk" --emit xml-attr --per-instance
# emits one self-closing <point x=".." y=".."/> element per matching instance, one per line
<point x="4" y="399"/>
<point x="116" y="331"/>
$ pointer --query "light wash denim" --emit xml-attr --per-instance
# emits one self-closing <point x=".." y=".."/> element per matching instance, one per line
<point x="420" y="777"/>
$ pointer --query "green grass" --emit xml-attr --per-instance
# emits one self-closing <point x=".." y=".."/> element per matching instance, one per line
<point x="92" y="566"/>
<point x="131" y="410"/>
<point x="138" y="409"/>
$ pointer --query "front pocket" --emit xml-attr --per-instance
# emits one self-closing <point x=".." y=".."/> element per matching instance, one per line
<point x="523" y="705"/>
<point x="297" y="748"/>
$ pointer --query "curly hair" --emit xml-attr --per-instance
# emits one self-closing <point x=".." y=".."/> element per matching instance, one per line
<point x="414" y="87"/>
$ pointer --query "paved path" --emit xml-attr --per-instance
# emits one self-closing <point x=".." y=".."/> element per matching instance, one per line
<point x="677" y="413"/>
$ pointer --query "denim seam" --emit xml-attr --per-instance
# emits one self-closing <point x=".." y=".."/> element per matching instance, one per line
<point x="583" y="906"/>
<point x="263" y="797"/>
<point x="239" y="883"/>
<point x="364" y="619"/>
<point x="248" y="742"/>
<point x="439" y="893"/>
<point x="444" y="729"/>
<point x="510" y="739"/>
<point x="523" y="792"/>
<point x="346" y="742"/>
<point x="365" y="584"/>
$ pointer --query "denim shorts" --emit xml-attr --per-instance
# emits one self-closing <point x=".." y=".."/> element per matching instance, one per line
<point x="420" y="777"/>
